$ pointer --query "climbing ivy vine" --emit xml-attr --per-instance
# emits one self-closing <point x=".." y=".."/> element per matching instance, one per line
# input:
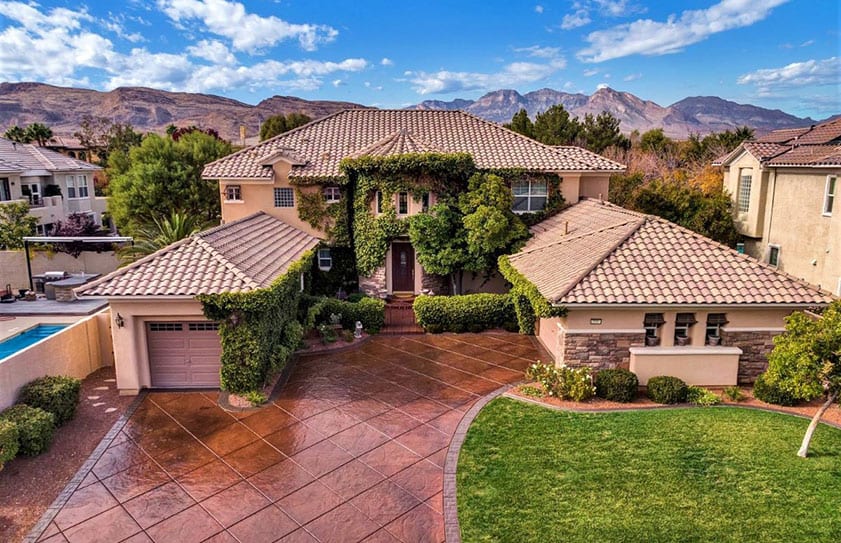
<point x="529" y="304"/>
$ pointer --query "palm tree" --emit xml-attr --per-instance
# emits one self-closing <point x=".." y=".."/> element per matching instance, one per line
<point x="39" y="133"/>
<point x="17" y="134"/>
<point x="161" y="233"/>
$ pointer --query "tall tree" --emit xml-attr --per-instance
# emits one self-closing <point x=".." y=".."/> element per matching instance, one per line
<point x="278" y="124"/>
<point x="602" y="131"/>
<point x="163" y="176"/>
<point x="39" y="133"/>
<point x="656" y="141"/>
<point x="101" y="137"/>
<point x="806" y="362"/>
<point x="555" y="127"/>
<point x="521" y="123"/>
<point x="15" y="223"/>
<point x="17" y="134"/>
<point x="76" y="225"/>
<point x="162" y="232"/>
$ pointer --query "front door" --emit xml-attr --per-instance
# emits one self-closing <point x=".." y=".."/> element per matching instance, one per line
<point x="402" y="267"/>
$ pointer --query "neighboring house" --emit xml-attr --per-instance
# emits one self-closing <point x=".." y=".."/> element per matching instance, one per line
<point x="787" y="198"/>
<point x="275" y="175"/>
<point x="53" y="185"/>
<point x="161" y="338"/>
<point x="68" y="146"/>
<point x="648" y="295"/>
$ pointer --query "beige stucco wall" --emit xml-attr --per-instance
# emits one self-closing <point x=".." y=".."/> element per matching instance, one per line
<point x="13" y="265"/>
<point x="76" y="351"/>
<point x="752" y="222"/>
<point x="550" y="333"/>
<point x="131" y="357"/>
<point x="594" y="186"/>
<point x="702" y="366"/>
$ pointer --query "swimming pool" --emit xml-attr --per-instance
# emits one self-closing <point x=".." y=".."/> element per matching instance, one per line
<point x="10" y="346"/>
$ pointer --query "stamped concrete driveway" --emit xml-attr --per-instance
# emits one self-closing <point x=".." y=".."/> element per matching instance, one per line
<point x="352" y="450"/>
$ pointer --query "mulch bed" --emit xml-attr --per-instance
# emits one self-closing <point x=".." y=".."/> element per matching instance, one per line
<point x="833" y="414"/>
<point x="29" y="485"/>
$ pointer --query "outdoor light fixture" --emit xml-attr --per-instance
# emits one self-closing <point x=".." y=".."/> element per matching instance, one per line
<point x="357" y="333"/>
<point x="119" y="321"/>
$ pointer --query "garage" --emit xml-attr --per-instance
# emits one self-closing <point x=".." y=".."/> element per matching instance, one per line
<point x="184" y="354"/>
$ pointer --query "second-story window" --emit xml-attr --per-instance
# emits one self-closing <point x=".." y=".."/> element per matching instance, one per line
<point x="325" y="259"/>
<point x="774" y="255"/>
<point x="71" y="186"/>
<point x="829" y="196"/>
<point x="683" y="327"/>
<point x="652" y="323"/>
<point x="332" y="194"/>
<point x="379" y="203"/>
<point x="82" y="186"/>
<point x="233" y="193"/>
<point x="284" y="197"/>
<point x="529" y="196"/>
<point x="745" y="180"/>
<point x="425" y="202"/>
<point x="402" y="203"/>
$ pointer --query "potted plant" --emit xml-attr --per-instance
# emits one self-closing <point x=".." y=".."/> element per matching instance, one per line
<point x="682" y="341"/>
<point x="652" y="341"/>
<point x="713" y="340"/>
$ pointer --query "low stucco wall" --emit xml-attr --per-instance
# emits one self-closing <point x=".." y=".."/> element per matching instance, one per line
<point x="702" y="366"/>
<point x="77" y="351"/>
<point x="13" y="265"/>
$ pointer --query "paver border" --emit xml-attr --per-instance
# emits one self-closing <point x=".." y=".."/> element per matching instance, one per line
<point x="60" y="501"/>
<point x="452" y="530"/>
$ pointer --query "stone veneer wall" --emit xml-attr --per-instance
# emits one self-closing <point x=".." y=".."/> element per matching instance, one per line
<point x="374" y="285"/>
<point x="435" y="284"/>
<point x="755" y="349"/>
<point x="601" y="351"/>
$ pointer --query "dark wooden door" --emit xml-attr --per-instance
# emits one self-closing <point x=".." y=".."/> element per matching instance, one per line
<point x="403" y="267"/>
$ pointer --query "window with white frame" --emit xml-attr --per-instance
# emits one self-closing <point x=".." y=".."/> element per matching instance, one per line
<point x="71" y="186"/>
<point x="829" y="195"/>
<point x="233" y="193"/>
<point x="402" y="203"/>
<point x="745" y="180"/>
<point x="652" y="323"/>
<point x="683" y="325"/>
<point x="529" y="195"/>
<point x="82" y="186"/>
<point x="774" y="255"/>
<point x="332" y="194"/>
<point x="325" y="259"/>
<point x="284" y="197"/>
<point x="715" y="321"/>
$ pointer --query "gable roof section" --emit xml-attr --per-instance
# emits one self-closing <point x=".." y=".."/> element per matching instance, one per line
<point x="323" y="143"/>
<point x="815" y="146"/>
<point x="240" y="256"/>
<point x="27" y="157"/>
<point x="610" y="255"/>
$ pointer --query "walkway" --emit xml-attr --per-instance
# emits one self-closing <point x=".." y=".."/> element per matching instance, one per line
<point x="352" y="450"/>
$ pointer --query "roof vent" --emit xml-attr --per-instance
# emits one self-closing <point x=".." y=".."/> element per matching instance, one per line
<point x="325" y="155"/>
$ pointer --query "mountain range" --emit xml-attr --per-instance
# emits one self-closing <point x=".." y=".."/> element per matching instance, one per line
<point x="146" y="109"/>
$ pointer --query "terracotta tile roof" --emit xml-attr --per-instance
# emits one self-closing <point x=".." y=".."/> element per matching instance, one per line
<point x="760" y="150"/>
<point x="325" y="142"/>
<point x="820" y="134"/>
<point x="239" y="256"/>
<point x="783" y="135"/>
<point x="809" y="155"/>
<point x="399" y="143"/>
<point x="9" y="167"/>
<point x="28" y="157"/>
<point x="818" y="145"/>
<point x="610" y="255"/>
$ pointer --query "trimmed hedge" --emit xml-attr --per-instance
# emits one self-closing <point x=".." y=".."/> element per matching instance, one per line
<point x="768" y="392"/>
<point x="464" y="313"/>
<point x="666" y="389"/>
<point x="617" y="385"/>
<point x="35" y="427"/>
<point x="369" y="311"/>
<point x="8" y="441"/>
<point x="55" y="393"/>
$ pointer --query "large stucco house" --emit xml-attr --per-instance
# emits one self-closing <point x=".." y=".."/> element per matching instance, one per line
<point x="53" y="185"/>
<point x="787" y="199"/>
<point x="645" y="294"/>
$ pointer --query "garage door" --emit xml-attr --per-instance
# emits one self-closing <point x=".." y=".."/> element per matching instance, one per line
<point x="184" y="354"/>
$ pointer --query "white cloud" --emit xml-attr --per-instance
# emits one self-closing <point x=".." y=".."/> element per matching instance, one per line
<point x="617" y="8"/>
<point x="807" y="43"/>
<point x="538" y="8"/>
<point x="512" y="75"/>
<point x="591" y="72"/>
<point x="540" y="52"/>
<point x="601" y="86"/>
<point x="387" y="62"/>
<point x="337" y="83"/>
<point x="247" y="31"/>
<point x="574" y="20"/>
<point x="212" y="51"/>
<point x="369" y="85"/>
<point x="796" y="74"/>
<point x="115" y="25"/>
<point x="632" y="77"/>
<point x="647" y="37"/>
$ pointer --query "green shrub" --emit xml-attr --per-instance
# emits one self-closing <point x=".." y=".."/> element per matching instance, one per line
<point x="734" y="394"/>
<point x="531" y="391"/>
<point x="467" y="312"/>
<point x="356" y="297"/>
<point x="702" y="396"/>
<point x="55" y="393"/>
<point x="665" y="389"/>
<point x="9" y="444"/>
<point x="564" y="383"/>
<point x="369" y="311"/>
<point x="35" y="427"/>
<point x="769" y="392"/>
<point x="616" y="385"/>
<point x="256" y="397"/>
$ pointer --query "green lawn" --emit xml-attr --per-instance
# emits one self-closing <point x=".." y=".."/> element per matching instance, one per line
<point x="530" y="474"/>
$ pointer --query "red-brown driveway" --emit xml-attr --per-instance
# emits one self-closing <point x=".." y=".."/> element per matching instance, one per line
<point x="352" y="450"/>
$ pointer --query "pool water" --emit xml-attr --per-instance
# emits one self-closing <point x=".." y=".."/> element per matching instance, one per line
<point x="10" y="346"/>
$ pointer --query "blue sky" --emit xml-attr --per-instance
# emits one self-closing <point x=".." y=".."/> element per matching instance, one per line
<point x="775" y="53"/>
